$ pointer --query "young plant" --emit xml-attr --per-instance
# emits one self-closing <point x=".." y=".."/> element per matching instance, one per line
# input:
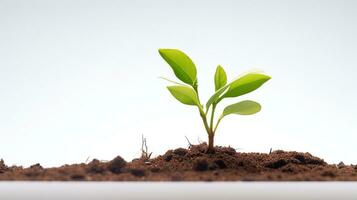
<point x="187" y="92"/>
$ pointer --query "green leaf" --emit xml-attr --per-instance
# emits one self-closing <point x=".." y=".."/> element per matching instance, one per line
<point x="245" y="84"/>
<point x="216" y="96"/>
<point x="171" y="81"/>
<point x="184" y="94"/>
<point x="242" y="108"/>
<point x="220" y="78"/>
<point x="181" y="64"/>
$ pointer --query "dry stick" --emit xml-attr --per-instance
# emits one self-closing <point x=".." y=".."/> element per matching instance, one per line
<point x="142" y="146"/>
<point x="199" y="140"/>
<point x="144" y="149"/>
<point x="188" y="141"/>
<point x="87" y="160"/>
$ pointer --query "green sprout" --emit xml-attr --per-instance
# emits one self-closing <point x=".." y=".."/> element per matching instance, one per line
<point x="187" y="92"/>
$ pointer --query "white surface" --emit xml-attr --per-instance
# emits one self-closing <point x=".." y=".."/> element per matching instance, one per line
<point x="172" y="191"/>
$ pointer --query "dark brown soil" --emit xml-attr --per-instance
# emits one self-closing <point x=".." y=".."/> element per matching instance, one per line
<point x="194" y="164"/>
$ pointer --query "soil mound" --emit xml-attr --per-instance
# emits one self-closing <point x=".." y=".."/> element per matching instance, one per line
<point x="194" y="164"/>
<point x="3" y="167"/>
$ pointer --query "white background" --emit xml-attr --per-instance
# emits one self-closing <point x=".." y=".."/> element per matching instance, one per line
<point x="79" y="79"/>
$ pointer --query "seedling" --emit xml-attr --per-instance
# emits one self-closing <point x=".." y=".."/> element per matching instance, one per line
<point x="187" y="92"/>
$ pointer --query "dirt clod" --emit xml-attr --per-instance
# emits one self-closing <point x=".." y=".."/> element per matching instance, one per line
<point x="116" y="165"/>
<point x="77" y="177"/>
<point x="138" y="172"/>
<point x="276" y="164"/>
<point x="341" y="165"/>
<point x="328" y="173"/>
<point x="200" y="164"/>
<point x="34" y="171"/>
<point x="212" y="166"/>
<point x="155" y="169"/>
<point x="180" y="151"/>
<point x="221" y="164"/>
<point x="3" y="167"/>
<point x="36" y="166"/>
<point x="95" y="166"/>
<point x="168" y="156"/>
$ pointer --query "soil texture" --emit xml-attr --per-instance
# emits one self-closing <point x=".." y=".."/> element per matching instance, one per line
<point x="193" y="164"/>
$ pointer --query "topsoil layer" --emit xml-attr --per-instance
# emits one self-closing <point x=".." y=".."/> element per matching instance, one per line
<point x="194" y="164"/>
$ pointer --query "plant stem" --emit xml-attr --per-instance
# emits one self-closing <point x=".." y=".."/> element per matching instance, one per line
<point x="195" y="87"/>
<point x="208" y="128"/>
<point x="210" y="148"/>
<point x="204" y="119"/>
<point x="212" y="117"/>
<point x="212" y="131"/>
<point x="202" y="113"/>
<point x="219" y="120"/>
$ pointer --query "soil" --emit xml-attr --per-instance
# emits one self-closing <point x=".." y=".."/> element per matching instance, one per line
<point x="193" y="164"/>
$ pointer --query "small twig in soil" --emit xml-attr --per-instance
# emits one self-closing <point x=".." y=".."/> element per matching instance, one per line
<point x="188" y="141"/>
<point x="87" y="159"/>
<point x="145" y="155"/>
<point x="199" y="140"/>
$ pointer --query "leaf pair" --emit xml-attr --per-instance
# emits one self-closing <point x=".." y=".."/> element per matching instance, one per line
<point x="238" y="87"/>
<point x="185" y="70"/>
<point x="244" y="84"/>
